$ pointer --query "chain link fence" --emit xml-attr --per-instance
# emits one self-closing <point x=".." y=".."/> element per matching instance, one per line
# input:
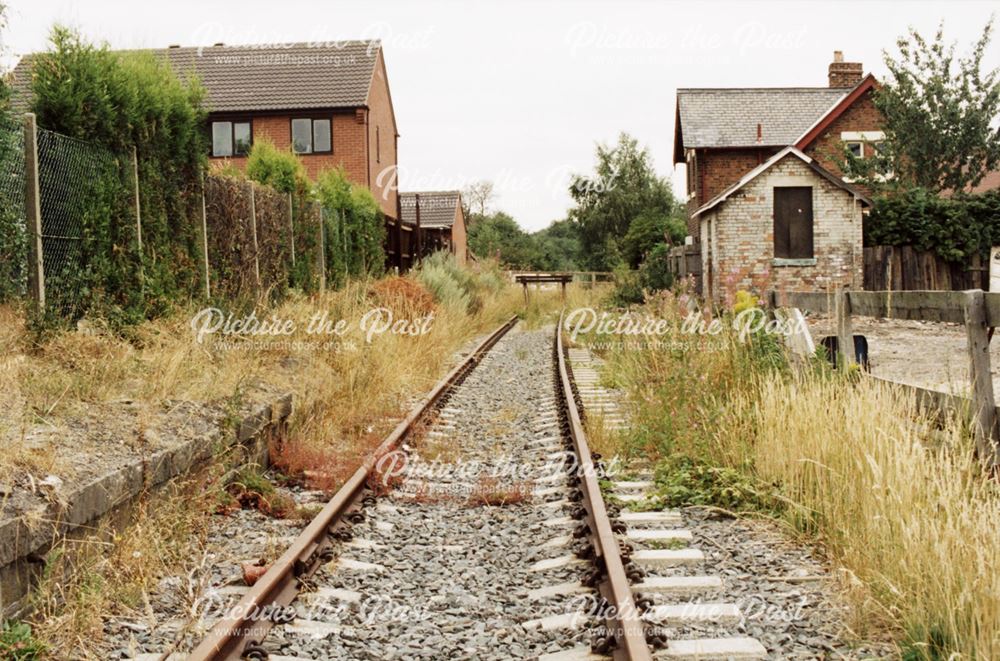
<point x="88" y="196"/>
<point x="69" y="174"/>
<point x="13" y="233"/>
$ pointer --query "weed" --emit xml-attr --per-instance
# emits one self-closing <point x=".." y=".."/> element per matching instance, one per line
<point x="17" y="643"/>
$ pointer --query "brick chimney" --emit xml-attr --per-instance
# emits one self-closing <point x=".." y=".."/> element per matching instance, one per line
<point x="844" y="74"/>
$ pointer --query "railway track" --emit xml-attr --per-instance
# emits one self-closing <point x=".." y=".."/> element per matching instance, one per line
<point x="478" y="530"/>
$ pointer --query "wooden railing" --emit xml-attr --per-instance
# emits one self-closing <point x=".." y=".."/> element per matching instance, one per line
<point x="978" y="311"/>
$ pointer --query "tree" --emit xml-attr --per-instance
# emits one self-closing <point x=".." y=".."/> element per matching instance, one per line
<point x="648" y="230"/>
<point x="940" y="114"/>
<point x="558" y="247"/>
<point x="4" y="86"/>
<point x="478" y="196"/>
<point x="624" y="187"/>
<point x="499" y="235"/>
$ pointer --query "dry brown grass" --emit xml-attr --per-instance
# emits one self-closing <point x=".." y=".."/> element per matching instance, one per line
<point x="113" y="573"/>
<point x="491" y="492"/>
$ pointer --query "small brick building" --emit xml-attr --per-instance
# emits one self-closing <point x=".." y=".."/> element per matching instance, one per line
<point x="742" y="147"/>
<point x="434" y="221"/>
<point x="789" y="222"/>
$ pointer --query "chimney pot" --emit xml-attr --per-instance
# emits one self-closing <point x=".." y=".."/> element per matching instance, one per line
<point x="838" y="56"/>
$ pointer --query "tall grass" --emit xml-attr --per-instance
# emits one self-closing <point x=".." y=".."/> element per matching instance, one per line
<point x="898" y="503"/>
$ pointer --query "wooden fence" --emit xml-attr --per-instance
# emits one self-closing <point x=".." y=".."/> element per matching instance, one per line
<point x="903" y="268"/>
<point x="978" y="311"/>
<point x="685" y="261"/>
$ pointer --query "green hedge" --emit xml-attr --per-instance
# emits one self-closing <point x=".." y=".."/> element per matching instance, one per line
<point x="954" y="228"/>
<point x="117" y="101"/>
<point x="354" y="226"/>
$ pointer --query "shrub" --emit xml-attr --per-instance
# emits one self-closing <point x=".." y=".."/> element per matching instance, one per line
<point x="654" y="273"/>
<point x="281" y="170"/>
<point x="117" y="101"/>
<point x="954" y="228"/>
<point x="354" y="227"/>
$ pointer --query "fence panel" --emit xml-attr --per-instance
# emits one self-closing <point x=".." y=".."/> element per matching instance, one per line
<point x="13" y="232"/>
<point x="230" y="237"/>
<point x="273" y="243"/>
<point x="903" y="268"/>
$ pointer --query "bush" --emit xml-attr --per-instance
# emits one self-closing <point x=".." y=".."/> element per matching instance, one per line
<point x="281" y="170"/>
<point x="655" y="274"/>
<point x="117" y="101"/>
<point x="354" y="227"/>
<point x="954" y="228"/>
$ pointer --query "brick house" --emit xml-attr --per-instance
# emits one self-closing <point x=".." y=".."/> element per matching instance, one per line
<point x="329" y="103"/>
<point x="766" y="198"/>
<point x="441" y="221"/>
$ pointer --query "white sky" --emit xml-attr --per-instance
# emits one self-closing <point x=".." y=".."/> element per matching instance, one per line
<point x="519" y="92"/>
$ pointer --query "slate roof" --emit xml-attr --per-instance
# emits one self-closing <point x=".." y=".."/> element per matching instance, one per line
<point x="728" y="117"/>
<point x="437" y="208"/>
<point x="275" y="77"/>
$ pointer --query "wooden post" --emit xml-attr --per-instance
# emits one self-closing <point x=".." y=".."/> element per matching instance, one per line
<point x="138" y="207"/>
<point x="291" y="226"/>
<point x="983" y="404"/>
<point x="563" y="283"/>
<point x="845" y="336"/>
<point x="253" y="225"/>
<point x="33" y="214"/>
<point x="524" y="284"/>
<point x="138" y="219"/>
<point x="204" y="240"/>
<point x="321" y="244"/>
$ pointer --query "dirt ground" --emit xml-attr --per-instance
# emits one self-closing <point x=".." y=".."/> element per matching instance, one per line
<point x="923" y="353"/>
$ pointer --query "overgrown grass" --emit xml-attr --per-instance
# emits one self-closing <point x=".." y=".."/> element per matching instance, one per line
<point x="898" y="504"/>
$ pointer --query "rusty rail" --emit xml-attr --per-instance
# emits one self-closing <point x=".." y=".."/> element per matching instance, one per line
<point x="239" y="635"/>
<point x="623" y="618"/>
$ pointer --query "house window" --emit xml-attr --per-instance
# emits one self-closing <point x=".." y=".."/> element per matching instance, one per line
<point x="231" y="138"/>
<point x="856" y="148"/>
<point x="793" y="222"/>
<point x="311" y="136"/>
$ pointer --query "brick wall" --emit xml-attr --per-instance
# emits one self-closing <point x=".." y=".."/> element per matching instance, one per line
<point x="348" y="143"/>
<point x="458" y="236"/>
<point x="715" y="170"/>
<point x="828" y="148"/>
<point x="738" y="236"/>
<point x="382" y="141"/>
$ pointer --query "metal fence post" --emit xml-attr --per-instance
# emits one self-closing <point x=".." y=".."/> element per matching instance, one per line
<point x="983" y="404"/>
<point x="204" y="239"/>
<point x="291" y="226"/>
<point x="33" y="214"/>
<point x="253" y="225"/>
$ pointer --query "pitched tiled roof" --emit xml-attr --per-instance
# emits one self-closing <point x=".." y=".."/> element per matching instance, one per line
<point x="437" y="208"/>
<point x="729" y="117"/>
<point x="277" y="77"/>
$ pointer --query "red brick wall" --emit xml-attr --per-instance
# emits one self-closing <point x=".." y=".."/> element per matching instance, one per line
<point x="382" y="141"/>
<point x="348" y="144"/>
<point x="458" y="237"/>
<point x="718" y="169"/>
<point x="827" y="149"/>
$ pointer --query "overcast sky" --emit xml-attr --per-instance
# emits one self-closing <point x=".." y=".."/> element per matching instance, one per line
<point x="520" y="92"/>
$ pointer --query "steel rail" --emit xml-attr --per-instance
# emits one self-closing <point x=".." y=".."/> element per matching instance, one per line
<point x="240" y="634"/>
<point x="623" y="618"/>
